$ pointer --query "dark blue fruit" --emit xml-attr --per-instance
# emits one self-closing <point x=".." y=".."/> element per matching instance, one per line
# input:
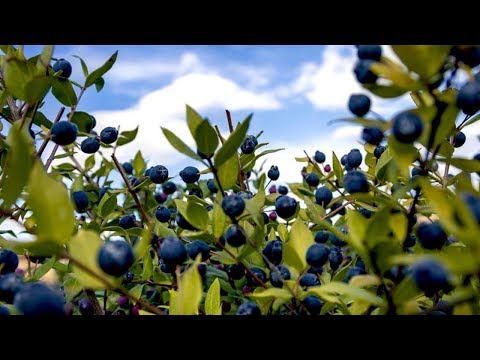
<point x="190" y="174"/>
<point x="410" y="241"/>
<point x="160" y="197"/>
<point x="249" y="309"/>
<point x="430" y="276"/>
<point x="335" y="258"/>
<point x="379" y="150"/>
<point x="363" y="73"/>
<point x="103" y="191"/>
<point x="336" y="240"/>
<point x="473" y="204"/>
<point x="169" y="187"/>
<point x="469" y="55"/>
<point x="316" y="270"/>
<point x="343" y="160"/>
<point x="235" y="271"/>
<point x="235" y="235"/>
<point x="265" y="217"/>
<point x="259" y="273"/>
<point x="166" y="268"/>
<point x="211" y="186"/>
<point x="369" y="52"/>
<point x="431" y="235"/>
<point x="81" y="201"/>
<point x="183" y="223"/>
<point x="233" y="205"/>
<point x="372" y="135"/>
<point x="273" y="251"/>
<point x="366" y="213"/>
<point x="323" y="196"/>
<point x="8" y="261"/>
<point x="354" y="158"/>
<point x="312" y="179"/>
<point x="198" y="247"/>
<point x="135" y="181"/>
<point x="4" y="311"/>
<point x="248" y="146"/>
<point x="354" y="271"/>
<point x="468" y="98"/>
<point x="64" y="132"/>
<point x="313" y="304"/>
<point x="285" y="206"/>
<point x="338" y="205"/>
<point x="321" y="236"/>
<point x="109" y="135"/>
<point x="115" y="257"/>
<point x="173" y="251"/>
<point x="129" y="275"/>
<point x="282" y="190"/>
<point x="253" y="138"/>
<point x="245" y="195"/>
<point x="128" y="168"/>
<point x="407" y="127"/>
<point x="90" y="145"/>
<point x="355" y="182"/>
<point x="319" y="157"/>
<point x="85" y="307"/>
<point x="276" y="276"/>
<point x="459" y="139"/>
<point x="158" y="174"/>
<point x="308" y="280"/>
<point x="317" y="255"/>
<point x="64" y="66"/>
<point x="162" y="214"/>
<point x="127" y="221"/>
<point x="359" y="104"/>
<point x="273" y="173"/>
<point x="10" y="284"/>
<point x="38" y="299"/>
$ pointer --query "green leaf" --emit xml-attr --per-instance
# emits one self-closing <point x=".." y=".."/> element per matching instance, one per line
<point x="84" y="248"/>
<point x="16" y="75"/>
<point x="40" y="119"/>
<point x="277" y="293"/>
<point x="98" y="73"/>
<point x="18" y="164"/>
<point x="337" y="168"/>
<point x="44" y="58"/>
<point x="194" y="120"/>
<point x="333" y="288"/>
<point x="63" y="91"/>
<point x="84" y="66"/>
<point x="212" y="300"/>
<point x="382" y="163"/>
<point x="126" y="137"/>
<point x="99" y="84"/>
<point x="425" y="60"/>
<point x="83" y="121"/>
<point x="357" y="225"/>
<point x="228" y="172"/>
<point x="43" y="269"/>
<point x="403" y="155"/>
<point x="282" y="232"/>
<point x="296" y="248"/>
<point x="71" y="287"/>
<point x="396" y="75"/>
<point x="137" y="290"/>
<point x="468" y="165"/>
<point x="107" y="205"/>
<point x="178" y="144"/>
<point x="219" y="220"/>
<point x="147" y="270"/>
<point x="315" y="211"/>
<point x="405" y="291"/>
<point x="206" y="138"/>
<point x="231" y="145"/>
<point x="139" y="163"/>
<point x="187" y="299"/>
<point x="37" y="88"/>
<point x="195" y="214"/>
<point x="385" y="91"/>
<point x="90" y="162"/>
<point x="143" y="243"/>
<point x="51" y="207"/>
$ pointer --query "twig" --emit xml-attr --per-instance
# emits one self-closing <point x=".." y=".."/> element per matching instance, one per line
<point x="47" y="139"/>
<point x="24" y="116"/>
<point x="97" y="309"/>
<point x="215" y="174"/>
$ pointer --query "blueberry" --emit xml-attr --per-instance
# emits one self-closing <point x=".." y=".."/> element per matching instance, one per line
<point x="312" y="179"/>
<point x="196" y="192"/>
<point x="363" y="73"/>
<point x="273" y="173"/>
<point x="198" y="247"/>
<point x="335" y="258"/>
<point x="85" y="307"/>
<point x="343" y="160"/>
<point x="169" y="187"/>
<point x="407" y="127"/>
<point x="316" y="270"/>
<point x="162" y="214"/>
<point x="265" y="217"/>
<point x="249" y="309"/>
<point x="173" y="251"/>
<point x="253" y="138"/>
<point x="459" y="139"/>
<point x="369" y="52"/>
<point x="273" y="251"/>
<point x="90" y="145"/>
<point x="321" y="236"/>
<point x="283" y="190"/>
<point x="354" y="271"/>
<point x="211" y="186"/>
<point x="190" y="174"/>
<point x="235" y="271"/>
<point x="233" y="205"/>
<point x="129" y="275"/>
<point x="285" y="206"/>
<point x="416" y="172"/>
<point x="430" y="276"/>
<point x="245" y="195"/>
<point x="431" y="235"/>
<point x="259" y="273"/>
<point x="248" y="146"/>
<point x="379" y="150"/>
<point x="183" y="223"/>
<point x="38" y="299"/>
<point x="468" y="55"/>
<point x="313" y="304"/>
<point x="64" y="66"/>
<point x="64" y="132"/>
<point x="158" y="174"/>
<point x="336" y="206"/>
<point x="115" y="257"/>
<point x="160" y="197"/>
<point x="8" y="261"/>
<point x="109" y="135"/>
<point x="354" y="158"/>
<point x="473" y="204"/>
<point x="323" y="196"/>
<point x="127" y="221"/>
<point x="235" y="235"/>
<point x="372" y="135"/>
<point x="359" y="104"/>
<point x="477" y="157"/>
<point x="308" y="280"/>
<point x="10" y="284"/>
<point x="336" y="240"/>
<point x="4" y="311"/>
<point x="468" y="98"/>
<point x="277" y="275"/>
<point x="317" y="255"/>
<point x="128" y="168"/>
<point x="366" y="213"/>
<point x="81" y="201"/>
<point x="319" y="157"/>
<point x="355" y="182"/>
<point x="166" y="268"/>
<point x="447" y="308"/>
<point x="134" y="181"/>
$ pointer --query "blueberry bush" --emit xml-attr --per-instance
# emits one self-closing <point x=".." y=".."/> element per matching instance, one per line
<point x="389" y="232"/>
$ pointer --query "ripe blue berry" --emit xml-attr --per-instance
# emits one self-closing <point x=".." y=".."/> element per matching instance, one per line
<point x="64" y="132"/>
<point x="64" y="66"/>
<point x="355" y="182"/>
<point x="233" y="205"/>
<point x="354" y="158"/>
<point x="312" y="179"/>
<point x="198" y="247"/>
<point x="273" y="251"/>
<point x="319" y="157"/>
<point x="38" y="299"/>
<point x="109" y="135"/>
<point x="211" y="186"/>
<point x="273" y="173"/>
<point x="308" y="280"/>
<point x="81" y="201"/>
<point x="90" y="145"/>
<point x="235" y="235"/>
<point x="372" y="135"/>
<point x="430" y="276"/>
<point x="249" y="309"/>
<point x="359" y="104"/>
<point x="313" y="304"/>
<point x="369" y="52"/>
<point x="379" y="150"/>
<point x="162" y="214"/>
<point x="335" y="258"/>
<point x="158" y="174"/>
<point x="248" y="146"/>
<point x="321" y="236"/>
<point x="169" y="187"/>
<point x="259" y="273"/>
<point x="363" y="73"/>
<point x="115" y="257"/>
<point x="127" y="221"/>
<point x="407" y="127"/>
<point x="283" y="190"/>
<point x="431" y="235"/>
<point x="128" y="168"/>
<point x="85" y="307"/>
<point x="173" y="251"/>
<point x="459" y="139"/>
<point x="183" y="223"/>
<point x="190" y="174"/>
<point x="10" y="284"/>
<point x="285" y="206"/>
<point x="317" y="255"/>
<point x="8" y="261"/>
<point x="323" y="196"/>
<point x="276" y="276"/>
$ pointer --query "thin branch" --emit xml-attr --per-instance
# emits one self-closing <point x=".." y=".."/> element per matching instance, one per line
<point x="215" y="174"/>
<point x="47" y="139"/>
<point x="97" y="309"/>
